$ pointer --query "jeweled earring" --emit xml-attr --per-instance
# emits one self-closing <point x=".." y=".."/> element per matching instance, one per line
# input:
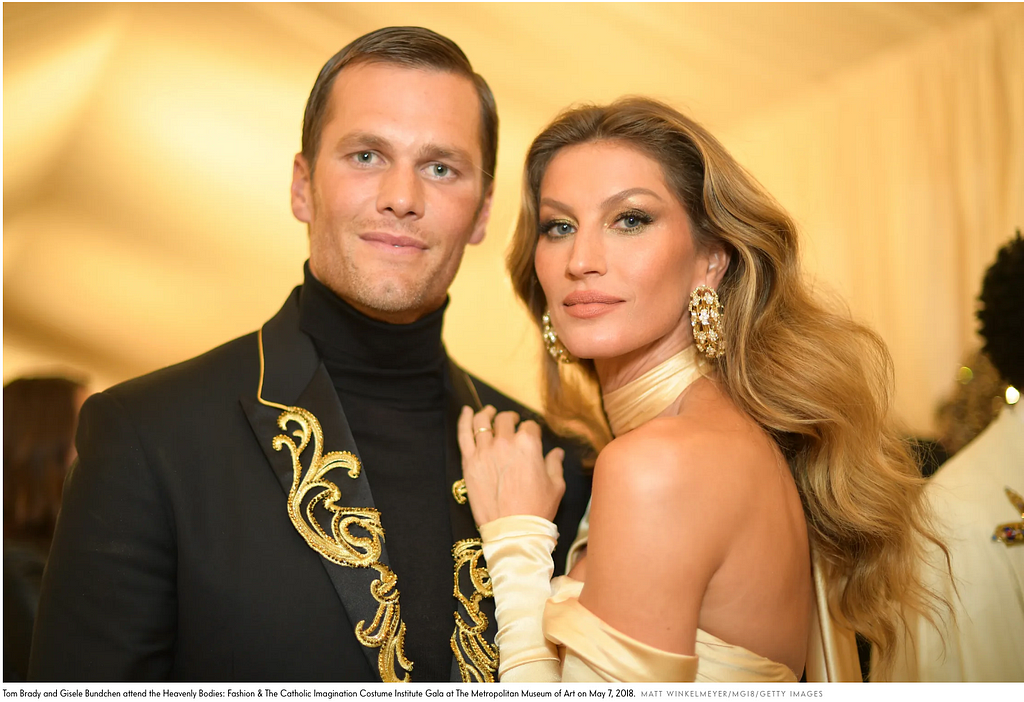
<point x="706" y="318"/>
<point x="555" y="347"/>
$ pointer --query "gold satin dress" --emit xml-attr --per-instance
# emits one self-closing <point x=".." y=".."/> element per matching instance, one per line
<point x="546" y="635"/>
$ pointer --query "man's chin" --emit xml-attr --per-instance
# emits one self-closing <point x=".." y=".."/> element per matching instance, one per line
<point x="394" y="304"/>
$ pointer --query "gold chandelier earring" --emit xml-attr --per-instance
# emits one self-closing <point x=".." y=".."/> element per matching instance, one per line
<point x="555" y="347"/>
<point x="706" y="316"/>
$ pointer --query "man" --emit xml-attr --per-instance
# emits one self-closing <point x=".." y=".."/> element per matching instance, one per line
<point x="227" y="517"/>
<point x="976" y="498"/>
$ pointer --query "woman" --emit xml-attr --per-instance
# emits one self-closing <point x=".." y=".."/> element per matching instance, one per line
<point x="750" y="424"/>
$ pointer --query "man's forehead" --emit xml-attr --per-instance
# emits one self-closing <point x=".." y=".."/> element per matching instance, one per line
<point x="386" y="85"/>
<point x="399" y="103"/>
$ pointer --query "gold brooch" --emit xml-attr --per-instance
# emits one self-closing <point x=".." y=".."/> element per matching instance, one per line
<point x="459" y="491"/>
<point x="1012" y="533"/>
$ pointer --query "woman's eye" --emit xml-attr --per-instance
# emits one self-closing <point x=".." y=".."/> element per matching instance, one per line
<point x="633" y="220"/>
<point x="557" y="229"/>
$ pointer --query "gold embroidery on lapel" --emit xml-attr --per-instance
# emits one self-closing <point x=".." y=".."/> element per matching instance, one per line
<point x="387" y="630"/>
<point x="477" y="658"/>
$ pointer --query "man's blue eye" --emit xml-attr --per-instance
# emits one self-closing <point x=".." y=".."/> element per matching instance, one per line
<point x="365" y="156"/>
<point x="441" y="170"/>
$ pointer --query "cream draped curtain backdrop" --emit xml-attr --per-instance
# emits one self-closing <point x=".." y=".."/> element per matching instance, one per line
<point x="905" y="178"/>
<point x="148" y="147"/>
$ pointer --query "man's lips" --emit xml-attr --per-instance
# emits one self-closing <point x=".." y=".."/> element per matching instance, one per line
<point x="397" y="242"/>
<point x="585" y="304"/>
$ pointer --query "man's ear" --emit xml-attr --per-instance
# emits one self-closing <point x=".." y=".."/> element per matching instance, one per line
<point x="302" y="190"/>
<point x="483" y="216"/>
<point x="718" y="262"/>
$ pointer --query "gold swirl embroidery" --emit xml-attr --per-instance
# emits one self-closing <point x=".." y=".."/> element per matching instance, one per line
<point x="340" y="545"/>
<point x="387" y="630"/>
<point x="477" y="658"/>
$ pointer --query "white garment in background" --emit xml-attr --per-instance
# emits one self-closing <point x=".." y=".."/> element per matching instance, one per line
<point x="968" y="498"/>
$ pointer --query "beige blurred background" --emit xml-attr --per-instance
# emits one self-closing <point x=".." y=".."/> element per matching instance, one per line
<point x="148" y="149"/>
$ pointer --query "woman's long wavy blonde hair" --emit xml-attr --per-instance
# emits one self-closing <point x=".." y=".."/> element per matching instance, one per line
<point x="819" y="383"/>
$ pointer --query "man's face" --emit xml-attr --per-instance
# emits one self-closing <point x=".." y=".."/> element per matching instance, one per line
<point x="397" y="191"/>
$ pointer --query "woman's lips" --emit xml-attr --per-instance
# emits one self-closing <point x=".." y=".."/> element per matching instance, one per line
<point x="587" y="304"/>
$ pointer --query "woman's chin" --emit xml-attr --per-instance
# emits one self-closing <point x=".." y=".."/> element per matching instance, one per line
<point x="596" y="350"/>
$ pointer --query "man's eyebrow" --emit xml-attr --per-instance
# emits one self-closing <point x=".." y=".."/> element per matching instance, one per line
<point x="441" y="152"/>
<point x="364" y="140"/>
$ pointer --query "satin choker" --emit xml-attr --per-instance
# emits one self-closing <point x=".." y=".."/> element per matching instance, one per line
<point x="649" y="395"/>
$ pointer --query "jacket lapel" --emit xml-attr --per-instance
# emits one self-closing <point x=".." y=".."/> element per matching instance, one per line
<point x="476" y="656"/>
<point x="308" y="443"/>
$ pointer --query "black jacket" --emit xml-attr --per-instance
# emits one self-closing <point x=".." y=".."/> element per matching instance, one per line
<point x="175" y="556"/>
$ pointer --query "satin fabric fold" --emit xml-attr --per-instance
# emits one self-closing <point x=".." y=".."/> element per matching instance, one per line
<point x="617" y="657"/>
<point x="518" y="554"/>
<point x="537" y="616"/>
<point x="831" y="648"/>
<point x="649" y="395"/>
<point x="597" y="652"/>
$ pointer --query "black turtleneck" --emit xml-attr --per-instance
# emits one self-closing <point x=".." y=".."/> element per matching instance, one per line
<point x="390" y="380"/>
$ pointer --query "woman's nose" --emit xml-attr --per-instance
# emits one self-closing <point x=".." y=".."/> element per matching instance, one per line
<point x="588" y="255"/>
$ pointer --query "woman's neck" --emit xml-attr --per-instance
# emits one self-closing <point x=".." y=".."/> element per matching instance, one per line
<point x="653" y="394"/>
<point x="614" y="373"/>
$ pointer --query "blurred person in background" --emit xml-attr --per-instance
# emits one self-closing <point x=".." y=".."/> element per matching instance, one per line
<point x="977" y="500"/>
<point x="976" y="400"/>
<point x="40" y="418"/>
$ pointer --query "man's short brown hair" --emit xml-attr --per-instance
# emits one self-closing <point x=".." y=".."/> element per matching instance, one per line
<point x="413" y="47"/>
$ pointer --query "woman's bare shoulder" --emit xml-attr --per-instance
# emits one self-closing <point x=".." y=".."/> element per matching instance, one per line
<point x="665" y="498"/>
<point x="669" y="503"/>
<point x="710" y="447"/>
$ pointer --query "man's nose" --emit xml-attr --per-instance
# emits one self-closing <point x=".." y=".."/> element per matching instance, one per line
<point x="401" y="192"/>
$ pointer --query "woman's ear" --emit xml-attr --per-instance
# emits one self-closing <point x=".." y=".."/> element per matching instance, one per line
<point x="718" y="262"/>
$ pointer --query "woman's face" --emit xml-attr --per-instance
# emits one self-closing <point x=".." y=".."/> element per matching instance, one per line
<point x="615" y="257"/>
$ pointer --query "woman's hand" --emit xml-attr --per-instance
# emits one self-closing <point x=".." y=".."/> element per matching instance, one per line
<point x="505" y="469"/>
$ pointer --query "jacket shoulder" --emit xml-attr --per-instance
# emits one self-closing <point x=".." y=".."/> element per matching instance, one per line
<point x="223" y="373"/>
<point x="203" y="388"/>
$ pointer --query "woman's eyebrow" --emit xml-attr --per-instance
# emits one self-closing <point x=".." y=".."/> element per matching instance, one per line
<point x="626" y="194"/>
<point x="558" y="205"/>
